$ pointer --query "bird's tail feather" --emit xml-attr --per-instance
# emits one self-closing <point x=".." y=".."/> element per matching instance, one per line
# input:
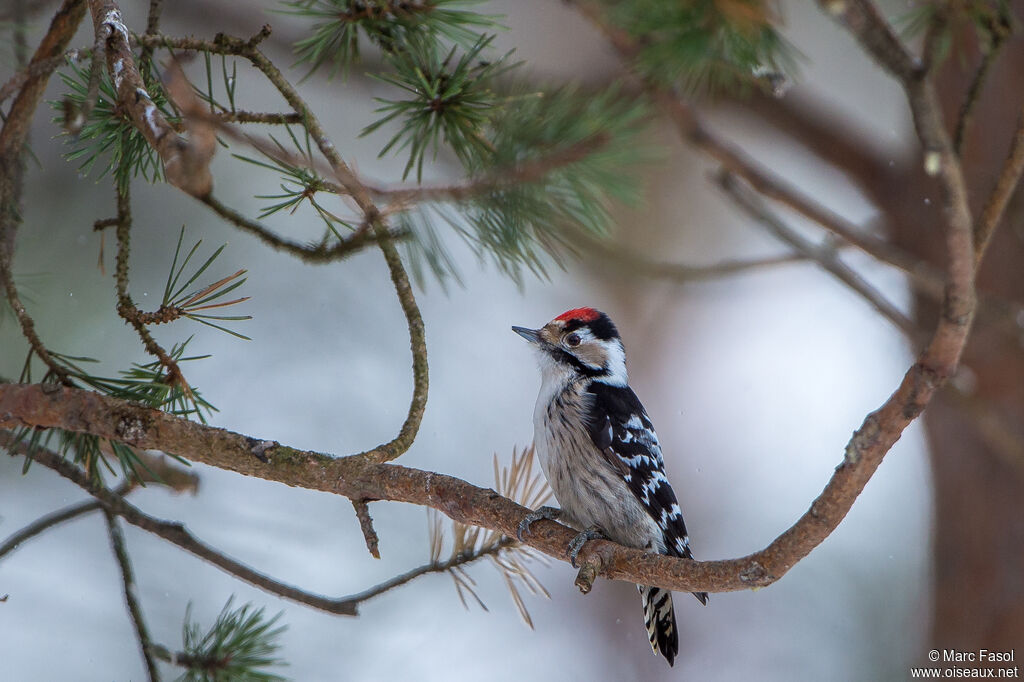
<point x="660" y="620"/>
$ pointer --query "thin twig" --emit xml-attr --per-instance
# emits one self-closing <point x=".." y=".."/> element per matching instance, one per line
<point x="434" y="567"/>
<point x="399" y="278"/>
<point x="824" y="256"/>
<point x="1006" y="183"/>
<point x="531" y="171"/>
<point x="12" y="140"/>
<point x="357" y="191"/>
<point x="76" y="120"/>
<point x="178" y="535"/>
<point x="622" y="257"/>
<point x="36" y="69"/>
<point x="287" y="118"/>
<point x="314" y="254"/>
<point x="153" y="18"/>
<point x="131" y="596"/>
<point x="366" y="526"/>
<point x="44" y="523"/>
<point x="999" y="31"/>
<point x="126" y="307"/>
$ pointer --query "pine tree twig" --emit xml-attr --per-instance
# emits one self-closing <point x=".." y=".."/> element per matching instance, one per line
<point x="75" y="409"/>
<point x="456" y="561"/>
<point x="126" y="307"/>
<point x="177" y="534"/>
<point x="54" y="43"/>
<point x="153" y="18"/>
<point x="824" y="256"/>
<point x="418" y="345"/>
<point x="177" y="480"/>
<point x="999" y="31"/>
<point x="366" y="526"/>
<point x="622" y="257"/>
<point x="43" y="67"/>
<point x="372" y="217"/>
<point x="28" y="327"/>
<point x="74" y="118"/>
<point x="865" y="22"/>
<point x="399" y="278"/>
<point x="317" y="254"/>
<point x="131" y="596"/>
<point x="183" y="659"/>
<point x="1006" y="183"/>
<point x="288" y="118"/>
<point x="186" y="163"/>
<point x="530" y="171"/>
<point x="45" y="523"/>
<point x="12" y="140"/>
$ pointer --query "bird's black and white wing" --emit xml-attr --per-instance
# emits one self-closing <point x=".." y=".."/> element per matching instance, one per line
<point x="621" y="429"/>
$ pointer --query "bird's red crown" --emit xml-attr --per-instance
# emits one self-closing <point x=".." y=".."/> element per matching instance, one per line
<point x="582" y="314"/>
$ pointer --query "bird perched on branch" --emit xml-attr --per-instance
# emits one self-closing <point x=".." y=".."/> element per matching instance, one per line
<point x="601" y="456"/>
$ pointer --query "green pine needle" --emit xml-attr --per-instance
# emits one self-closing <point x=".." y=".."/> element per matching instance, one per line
<point x="340" y="25"/>
<point x="240" y="645"/>
<point x="446" y="100"/>
<point x="108" y="138"/>
<point x="706" y="46"/>
<point x="553" y="165"/>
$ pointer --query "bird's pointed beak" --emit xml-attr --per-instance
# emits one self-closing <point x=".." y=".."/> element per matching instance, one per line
<point x="531" y="335"/>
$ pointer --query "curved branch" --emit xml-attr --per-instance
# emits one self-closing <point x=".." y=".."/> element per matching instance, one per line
<point x="12" y="140"/>
<point x="86" y="411"/>
<point x="358" y="192"/>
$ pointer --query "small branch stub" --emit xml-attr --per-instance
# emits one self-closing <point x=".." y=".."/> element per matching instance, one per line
<point x="366" y="525"/>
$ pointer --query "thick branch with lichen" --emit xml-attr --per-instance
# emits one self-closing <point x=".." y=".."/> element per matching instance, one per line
<point x="186" y="162"/>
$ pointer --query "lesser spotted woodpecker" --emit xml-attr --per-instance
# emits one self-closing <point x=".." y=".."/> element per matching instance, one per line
<point x="601" y="456"/>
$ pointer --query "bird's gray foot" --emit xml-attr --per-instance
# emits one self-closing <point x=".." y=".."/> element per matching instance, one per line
<point x="549" y="513"/>
<point x="592" y="533"/>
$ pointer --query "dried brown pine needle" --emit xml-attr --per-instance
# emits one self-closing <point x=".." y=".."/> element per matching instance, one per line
<point x="517" y="482"/>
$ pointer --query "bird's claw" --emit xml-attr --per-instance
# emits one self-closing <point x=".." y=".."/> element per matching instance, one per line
<point x="576" y="544"/>
<point x="549" y="513"/>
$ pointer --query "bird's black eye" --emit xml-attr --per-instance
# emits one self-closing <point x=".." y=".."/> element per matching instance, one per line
<point x="572" y="340"/>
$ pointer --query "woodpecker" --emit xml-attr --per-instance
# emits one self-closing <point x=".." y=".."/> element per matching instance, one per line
<point x="601" y="456"/>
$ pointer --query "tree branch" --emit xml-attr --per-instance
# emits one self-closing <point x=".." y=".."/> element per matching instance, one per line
<point x="126" y="307"/>
<point x="130" y="594"/>
<point x="372" y="218"/>
<point x="314" y="255"/>
<point x="45" y="523"/>
<point x="86" y="411"/>
<point x="186" y="163"/>
<point x="999" y="30"/>
<point x="366" y="526"/>
<point x="175" y="533"/>
<point x="12" y="142"/>
<point x="1006" y="183"/>
<point x="823" y="256"/>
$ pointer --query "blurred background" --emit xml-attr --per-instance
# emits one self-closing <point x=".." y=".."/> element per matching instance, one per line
<point x="754" y="381"/>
